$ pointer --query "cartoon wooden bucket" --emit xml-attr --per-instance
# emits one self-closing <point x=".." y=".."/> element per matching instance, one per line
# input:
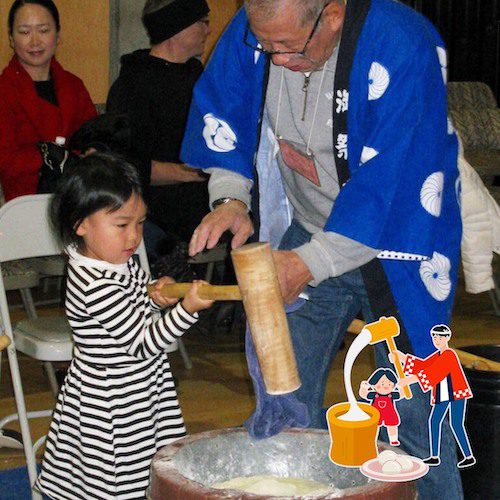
<point x="352" y="442"/>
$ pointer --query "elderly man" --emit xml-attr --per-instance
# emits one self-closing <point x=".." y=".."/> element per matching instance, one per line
<point x="154" y="89"/>
<point x="328" y="121"/>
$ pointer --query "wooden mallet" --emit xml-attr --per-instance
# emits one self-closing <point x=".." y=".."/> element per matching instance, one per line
<point x="259" y="289"/>
<point x="260" y="292"/>
<point x="265" y="310"/>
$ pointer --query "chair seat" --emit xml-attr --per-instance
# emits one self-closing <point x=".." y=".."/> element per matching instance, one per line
<point x="216" y="254"/>
<point x="46" y="339"/>
<point x="19" y="274"/>
<point x="53" y="265"/>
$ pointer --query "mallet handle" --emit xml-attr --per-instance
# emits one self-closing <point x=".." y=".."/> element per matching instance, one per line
<point x="225" y="292"/>
<point x="397" y="364"/>
<point x="4" y="342"/>
<point x="208" y="292"/>
<point x="477" y="362"/>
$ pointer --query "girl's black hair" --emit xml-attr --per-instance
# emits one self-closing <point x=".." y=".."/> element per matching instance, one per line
<point x="48" y="4"/>
<point x="90" y="184"/>
<point x="378" y="374"/>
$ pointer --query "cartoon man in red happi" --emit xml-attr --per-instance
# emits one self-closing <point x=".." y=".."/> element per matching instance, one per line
<point x="443" y="373"/>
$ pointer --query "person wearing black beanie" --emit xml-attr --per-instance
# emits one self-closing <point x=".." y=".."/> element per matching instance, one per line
<point x="165" y="18"/>
<point x="154" y="90"/>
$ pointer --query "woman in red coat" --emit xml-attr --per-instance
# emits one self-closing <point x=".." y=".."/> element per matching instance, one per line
<point x="39" y="100"/>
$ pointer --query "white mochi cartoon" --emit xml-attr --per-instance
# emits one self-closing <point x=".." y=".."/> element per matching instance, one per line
<point x="405" y="462"/>
<point x="392" y="467"/>
<point x="386" y="455"/>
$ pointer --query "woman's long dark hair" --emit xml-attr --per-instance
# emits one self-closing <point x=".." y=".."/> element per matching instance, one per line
<point x="48" y="4"/>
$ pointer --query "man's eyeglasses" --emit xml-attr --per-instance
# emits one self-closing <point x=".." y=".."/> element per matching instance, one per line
<point x="302" y="52"/>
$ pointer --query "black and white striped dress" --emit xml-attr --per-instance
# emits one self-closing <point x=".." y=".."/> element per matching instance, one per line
<point x="118" y="404"/>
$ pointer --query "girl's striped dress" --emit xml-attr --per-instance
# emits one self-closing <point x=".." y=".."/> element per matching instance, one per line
<point x="118" y="404"/>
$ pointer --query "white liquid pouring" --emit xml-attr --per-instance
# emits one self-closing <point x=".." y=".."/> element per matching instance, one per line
<point x="355" y="413"/>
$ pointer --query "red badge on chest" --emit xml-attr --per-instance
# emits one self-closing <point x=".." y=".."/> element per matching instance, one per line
<point x="300" y="162"/>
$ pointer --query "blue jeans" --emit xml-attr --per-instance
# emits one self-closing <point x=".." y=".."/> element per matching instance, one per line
<point x="457" y="416"/>
<point x="317" y="330"/>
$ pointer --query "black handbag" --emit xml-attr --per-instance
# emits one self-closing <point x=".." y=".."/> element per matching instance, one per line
<point x="55" y="157"/>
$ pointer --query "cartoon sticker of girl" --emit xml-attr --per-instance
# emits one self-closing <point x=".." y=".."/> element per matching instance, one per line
<point x="379" y="389"/>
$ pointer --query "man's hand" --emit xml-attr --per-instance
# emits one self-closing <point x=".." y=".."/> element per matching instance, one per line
<point x="410" y="379"/>
<point x="293" y="274"/>
<point x="401" y="357"/>
<point x="232" y="216"/>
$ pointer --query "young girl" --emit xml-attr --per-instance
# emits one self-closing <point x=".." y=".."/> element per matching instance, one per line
<point x="379" y="388"/>
<point x="118" y="404"/>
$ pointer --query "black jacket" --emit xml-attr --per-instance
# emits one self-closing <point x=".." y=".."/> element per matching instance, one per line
<point x="156" y="95"/>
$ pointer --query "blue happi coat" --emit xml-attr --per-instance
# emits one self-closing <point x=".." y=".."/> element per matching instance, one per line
<point x="396" y="153"/>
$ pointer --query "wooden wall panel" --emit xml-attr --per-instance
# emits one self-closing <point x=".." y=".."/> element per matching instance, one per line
<point x="85" y="38"/>
<point x="221" y="12"/>
<point x="84" y="46"/>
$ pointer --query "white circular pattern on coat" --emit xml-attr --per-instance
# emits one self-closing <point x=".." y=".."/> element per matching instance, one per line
<point x="256" y="54"/>
<point x="367" y="154"/>
<point x="443" y="62"/>
<point x="451" y="128"/>
<point x="378" y="81"/>
<point x="431" y="194"/>
<point x="218" y="135"/>
<point x="458" y="191"/>
<point x="435" y="275"/>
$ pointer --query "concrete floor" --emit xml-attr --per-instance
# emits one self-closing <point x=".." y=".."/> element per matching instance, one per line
<point x="217" y="391"/>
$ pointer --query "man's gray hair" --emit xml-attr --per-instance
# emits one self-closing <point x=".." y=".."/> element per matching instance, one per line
<point x="154" y="5"/>
<point x="267" y="9"/>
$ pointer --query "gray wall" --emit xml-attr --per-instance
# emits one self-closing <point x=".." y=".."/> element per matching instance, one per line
<point x="126" y="32"/>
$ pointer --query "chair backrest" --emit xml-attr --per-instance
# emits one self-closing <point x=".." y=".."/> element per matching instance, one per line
<point x="25" y="229"/>
<point x="470" y="96"/>
<point x="143" y="257"/>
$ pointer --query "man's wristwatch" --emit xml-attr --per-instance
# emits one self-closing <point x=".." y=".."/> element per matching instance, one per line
<point x="223" y="201"/>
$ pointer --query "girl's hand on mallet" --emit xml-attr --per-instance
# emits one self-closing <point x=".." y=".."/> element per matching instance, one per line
<point x="192" y="301"/>
<point x="156" y="292"/>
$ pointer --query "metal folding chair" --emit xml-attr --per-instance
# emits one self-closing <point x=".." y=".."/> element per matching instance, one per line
<point x="24" y="233"/>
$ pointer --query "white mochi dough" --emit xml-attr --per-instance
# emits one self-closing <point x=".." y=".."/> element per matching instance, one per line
<point x="272" y="485"/>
